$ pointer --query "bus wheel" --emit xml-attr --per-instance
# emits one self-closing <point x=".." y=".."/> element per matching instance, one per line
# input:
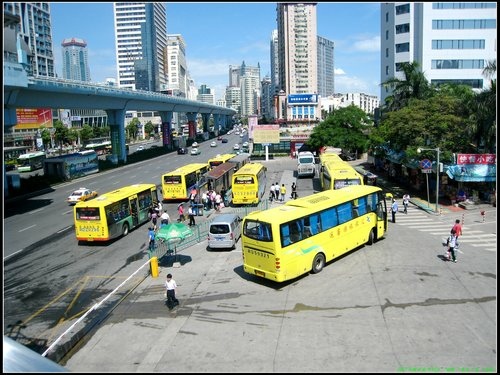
<point x="125" y="229"/>
<point x="371" y="237"/>
<point x="318" y="263"/>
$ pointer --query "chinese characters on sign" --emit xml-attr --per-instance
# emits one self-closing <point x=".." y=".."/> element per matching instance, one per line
<point x="476" y="159"/>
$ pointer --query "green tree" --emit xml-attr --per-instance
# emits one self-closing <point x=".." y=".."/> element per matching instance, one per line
<point x="413" y="85"/>
<point x="60" y="133"/>
<point x="344" y="128"/>
<point x="149" y="129"/>
<point x="86" y="133"/>
<point x="133" y="128"/>
<point x="433" y="122"/>
<point x="45" y="133"/>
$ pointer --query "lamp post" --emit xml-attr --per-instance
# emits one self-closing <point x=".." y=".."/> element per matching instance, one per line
<point x="419" y="150"/>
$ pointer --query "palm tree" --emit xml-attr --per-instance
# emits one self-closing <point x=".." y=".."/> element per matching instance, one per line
<point x="414" y="85"/>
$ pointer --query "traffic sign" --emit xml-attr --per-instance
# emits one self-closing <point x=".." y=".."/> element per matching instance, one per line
<point x="426" y="164"/>
<point x="426" y="170"/>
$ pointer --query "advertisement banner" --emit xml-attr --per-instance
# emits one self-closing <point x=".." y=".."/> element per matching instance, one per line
<point x="476" y="159"/>
<point x="302" y="98"/>
<point x="266" y="134"/>
<point x="31" y="118"/>
<point x="167" y="133"/>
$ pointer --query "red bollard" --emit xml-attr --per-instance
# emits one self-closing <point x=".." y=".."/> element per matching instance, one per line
<point x="483" y="214"/>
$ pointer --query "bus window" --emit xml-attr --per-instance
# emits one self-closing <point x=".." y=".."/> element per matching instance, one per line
<point x="345" y="212"/>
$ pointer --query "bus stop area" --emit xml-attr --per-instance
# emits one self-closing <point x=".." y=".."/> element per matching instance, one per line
<point x="390" y="307"/>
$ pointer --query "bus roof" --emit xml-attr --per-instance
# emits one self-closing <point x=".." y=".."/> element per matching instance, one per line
<point x="249" y="168"/>
<point x="223" y="157"/>
<point x="187" y="169"/>
<point x="325" y="158"/>
<point x="219" y="170"/>
<point x="31" y="155"/>
<point x="315" y="202"/>
<point x="240" y="157"/>
<point x="115" y="195"/>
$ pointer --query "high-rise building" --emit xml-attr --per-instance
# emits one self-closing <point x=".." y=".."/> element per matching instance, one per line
<point x="75" y="59"/>
<point x="233" y="98"/>
<point x="267" y="98"/>
<point x="297" y="44"/>
<point x="452" y="42"/>
<point x="35" y="30"/>
<point x="141" y="45"/>
<point x="205" y="95"/>
<point x="326" y="74"/>
<point x="250" y="89"/>
<point x="176" y="65"/>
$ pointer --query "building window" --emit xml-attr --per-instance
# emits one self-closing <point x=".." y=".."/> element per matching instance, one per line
<point x="387" y="17"/>
<point x="463" y="5"/>
<point x="387" y="35"/>
<point x="387" y="70"/>
<point x="403" y="9"/>
<point x="457" y="64"/>
<point x="402" y="47"/>
<point x="463" y="24"/>
<point x="473" y="83"/>
<point x="458" y="44"/>
<point x="387" y="52"/>
<point x="404" y="28"/>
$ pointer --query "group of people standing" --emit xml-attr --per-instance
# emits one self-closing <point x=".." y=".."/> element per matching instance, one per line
<point x="156" y="213"/>
<point x="278" y="193"/>
<point x="214" y="200"/>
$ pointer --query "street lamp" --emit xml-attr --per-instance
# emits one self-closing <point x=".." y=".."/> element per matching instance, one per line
<point x="419" y="150"/>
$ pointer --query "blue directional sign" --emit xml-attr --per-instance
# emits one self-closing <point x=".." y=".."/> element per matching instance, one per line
<point x="425" y="164"/>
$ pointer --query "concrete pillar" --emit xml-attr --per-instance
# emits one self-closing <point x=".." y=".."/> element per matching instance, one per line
<point x="166" y="128"/>
<point x="192" y="124"/>
<point x="117" y="129"/>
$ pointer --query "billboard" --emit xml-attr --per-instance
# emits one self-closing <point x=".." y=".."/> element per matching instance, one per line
<point x="266" y="134"/>
<point x="302" y="99"/>
<point x="33" y="118"/>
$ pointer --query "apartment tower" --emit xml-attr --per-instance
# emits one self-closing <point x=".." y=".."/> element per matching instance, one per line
<point x="75" y="59"/>
<point x="297" y="45"/>
<point x="452" y="42"/>
<point x="34" y="29"/>
<point x="326" y="74"/>
<point x="141" y="45"/>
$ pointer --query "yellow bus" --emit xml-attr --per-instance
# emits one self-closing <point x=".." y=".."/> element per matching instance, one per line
<point x="115" y="213"/>
<point x="249" y="184"/>
<point x="338" y="174"/>
<point x="178" y="184"/>
<point x="219" y="159"/>
<point x="302" y="235"/>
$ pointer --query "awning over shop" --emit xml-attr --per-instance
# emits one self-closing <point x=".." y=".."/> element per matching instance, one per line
<point x="473" y="172"/>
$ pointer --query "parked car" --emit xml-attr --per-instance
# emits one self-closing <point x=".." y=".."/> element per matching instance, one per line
<point x="195" y="151"/>
<point x="82" y="194"/>
<point x="213" y="144"/>
<point x="236" y="147"/>
<point x="181" y="151"/>
<point x="224" y="140"/>
<point x="195" y="144"/>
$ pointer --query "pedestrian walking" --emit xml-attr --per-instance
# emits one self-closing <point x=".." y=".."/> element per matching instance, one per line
<point x="191" y="215"/>
<point x="406" y="202"/>
<point x="276" y="191"/>
<point x="171" y="286"/>
<point x="394" y="210"/>
<point x="294" y="190"/>
<point x="164" y="218"/>
<point x="283" y="192"/>
<point x="457" y="227"/>
<point x="151" y="238"/>
<point x="452" y="243"/>
<point x="180" y="211"/>
<point x="271" y="193"/>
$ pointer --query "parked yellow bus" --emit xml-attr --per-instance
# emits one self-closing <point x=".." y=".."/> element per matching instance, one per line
<point x="304" y="234"/>
<point x="115" y="213"/>
<point x="177" y="184"/>
<point x="338" y="174"/>
<point x="249" y="183"/>
<point x="219" y="159"/>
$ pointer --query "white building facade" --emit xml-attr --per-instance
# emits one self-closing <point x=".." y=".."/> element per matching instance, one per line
<point x="451" y="41"/>
<point x="368" y="103"/>
<point x="128" y="19"/>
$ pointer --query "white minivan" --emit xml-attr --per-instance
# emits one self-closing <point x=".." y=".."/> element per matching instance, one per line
<point x="224" y="231"/>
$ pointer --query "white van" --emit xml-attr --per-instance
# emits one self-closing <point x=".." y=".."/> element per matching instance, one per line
<point x="224" y="231"/>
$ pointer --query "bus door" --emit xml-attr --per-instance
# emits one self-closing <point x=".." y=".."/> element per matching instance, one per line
<point x="134" y="210"/>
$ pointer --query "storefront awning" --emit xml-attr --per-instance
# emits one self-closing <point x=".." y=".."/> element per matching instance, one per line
<point x="473" y="172"/>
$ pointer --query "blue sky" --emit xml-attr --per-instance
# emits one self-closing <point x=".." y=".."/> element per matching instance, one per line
<point x="221" y="34"/>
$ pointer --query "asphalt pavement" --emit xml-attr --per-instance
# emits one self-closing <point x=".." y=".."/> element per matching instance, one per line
<point x="396" y="306"/>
